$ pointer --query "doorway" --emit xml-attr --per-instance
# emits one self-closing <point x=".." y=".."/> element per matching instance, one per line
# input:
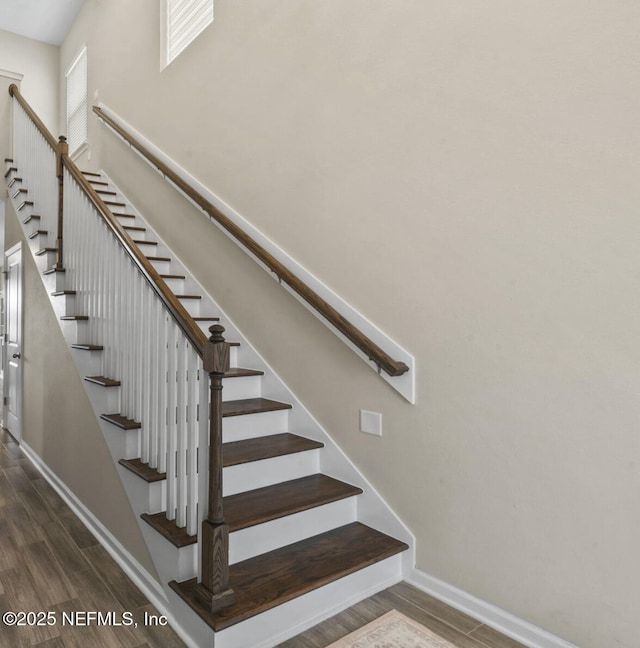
<point x="13" y="341"/>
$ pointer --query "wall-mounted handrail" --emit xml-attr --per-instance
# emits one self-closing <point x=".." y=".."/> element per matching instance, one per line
<point x="374" y="352"/>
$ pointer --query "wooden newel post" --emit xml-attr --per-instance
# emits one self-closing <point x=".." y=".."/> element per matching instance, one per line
<point x="62" y="150"/>
<point x="215" y="533"/>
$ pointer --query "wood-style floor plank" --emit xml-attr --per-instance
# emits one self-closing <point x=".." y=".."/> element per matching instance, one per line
<point x="45" y="556"/>
<point x="44" y="568"/>
<point x="129" y="596"/>
<point x="436" y="608"/>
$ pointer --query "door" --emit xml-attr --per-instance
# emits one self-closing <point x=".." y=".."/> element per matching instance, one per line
<point x="13" y="341"/>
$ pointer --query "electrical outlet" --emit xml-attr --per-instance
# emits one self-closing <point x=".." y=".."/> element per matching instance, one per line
<point x="371" y="422"/>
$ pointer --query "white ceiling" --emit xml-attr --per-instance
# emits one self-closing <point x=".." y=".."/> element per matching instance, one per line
<point x="43" y="20"/>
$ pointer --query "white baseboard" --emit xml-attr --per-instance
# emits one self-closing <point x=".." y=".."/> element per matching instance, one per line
<point x="134" y="570"/>
<point x="505" y="622"/>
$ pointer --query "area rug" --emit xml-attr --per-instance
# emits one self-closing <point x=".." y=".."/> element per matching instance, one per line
<point x="392" y="630"/>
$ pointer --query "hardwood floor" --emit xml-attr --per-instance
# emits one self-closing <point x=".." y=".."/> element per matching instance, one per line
<point x="458" y="628"/>
<point x="49" y="562"/>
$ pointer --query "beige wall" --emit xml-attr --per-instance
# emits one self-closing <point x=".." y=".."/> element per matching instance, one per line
<point x="57" y="420"/>
<point x="38" y="63"/>
<point x="466" y="175"/>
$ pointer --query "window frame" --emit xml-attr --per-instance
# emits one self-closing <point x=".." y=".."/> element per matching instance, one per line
<point x="81" y="107"/>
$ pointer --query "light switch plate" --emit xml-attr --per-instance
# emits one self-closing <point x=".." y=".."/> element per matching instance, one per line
<point x="371" y="422"/>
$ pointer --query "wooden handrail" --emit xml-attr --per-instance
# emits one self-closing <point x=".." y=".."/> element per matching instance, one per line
<point x="14" y="91"/>
<point x="344" y="326"/>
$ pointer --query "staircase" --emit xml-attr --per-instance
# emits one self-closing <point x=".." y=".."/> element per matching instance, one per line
<point x="301" y="517"/>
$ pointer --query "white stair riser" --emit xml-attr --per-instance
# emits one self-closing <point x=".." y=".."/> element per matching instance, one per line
<point x="103" y="399"/>
<point x="249" y="426"/>
<point x="175" y="285"/>
<point x="171" y="562"/>
<point x="54" y="281"/>
<point x="257" y="474"/>
<point x="261" y="538"/>
<point x="163" y="267"/>
<point x="244" y="387"/>
<point x="266" y="630"/>
<point x="74" y="330"/>
<point x="121" y="443"/>
<point x="66" y="303"/>
<point x="144" y="497"/>
<point x="89" y="363"/>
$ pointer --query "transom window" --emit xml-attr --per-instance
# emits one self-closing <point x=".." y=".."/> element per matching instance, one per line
<point x="183" y="22"/>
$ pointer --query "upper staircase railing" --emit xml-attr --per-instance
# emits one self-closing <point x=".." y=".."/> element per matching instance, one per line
<point x="151" y="344"/>
<point x="372" y="350"/>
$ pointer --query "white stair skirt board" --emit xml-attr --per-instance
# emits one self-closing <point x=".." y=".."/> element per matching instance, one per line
<point x="404" y="384"/>
<point x="504" y="622"/>
<point x="132" y="568"/>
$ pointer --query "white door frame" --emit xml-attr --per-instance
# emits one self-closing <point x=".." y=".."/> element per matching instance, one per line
<point x="13" y="348"/>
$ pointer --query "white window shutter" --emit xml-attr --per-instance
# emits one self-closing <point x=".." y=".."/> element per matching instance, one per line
<point x="186" y="19"/>
<point x="77" y="102"/>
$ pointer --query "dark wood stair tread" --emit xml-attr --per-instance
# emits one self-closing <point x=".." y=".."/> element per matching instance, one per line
<point x="206" y="319"/>
<point x="44" y="250"/>
<point x="92" y="174"/>
<point x="102" y="381"/>
<point x="9" y="171"/>
<point x="25" y="203"/>
<point x="37" y="233"/>
<point x="121" y="421"/>
<point x="53" y="270"/>
<point x="98" y="182"/>
<point x="172" y="276"/>
<point x="60" y="293"/>
<point x="238" y="372"/>
<point x="143" y="470"/>
<point x="252" y="406"/>
<point x="272" y="502"/>
<point x="88" y="347"/>
<point x="261" y="505"/>
<point x="176" y="535"/>
<point x="158" y="258"/>
<point x="276" y="445"/>
<point x="123" y="215"/>
<point x="139" y="242"/>
<point x="134" y="228"/>
<point x="189" y="296"/>
<point x="268" y="580"/>
<point x="115" y="203"/>
<point x="74" y="318"/>
<point x="31" y="217"/>
<point x="106" y="192"/>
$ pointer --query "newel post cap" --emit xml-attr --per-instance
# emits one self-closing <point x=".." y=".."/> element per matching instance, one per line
<point x="215" y="358"/>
